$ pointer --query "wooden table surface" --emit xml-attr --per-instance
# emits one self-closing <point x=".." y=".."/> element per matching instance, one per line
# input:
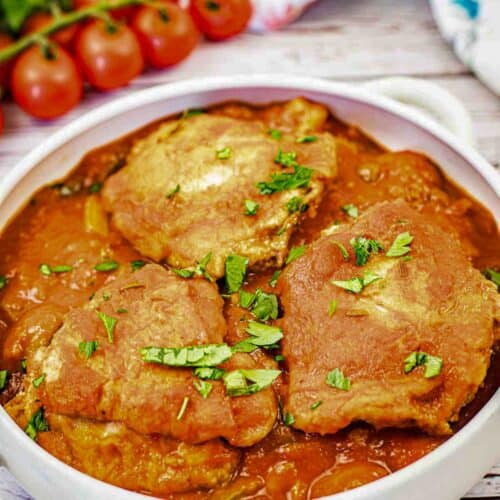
<point x="347" y="40"/>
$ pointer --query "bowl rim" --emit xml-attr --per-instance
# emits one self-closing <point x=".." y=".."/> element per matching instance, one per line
<point x="182" y="88"/>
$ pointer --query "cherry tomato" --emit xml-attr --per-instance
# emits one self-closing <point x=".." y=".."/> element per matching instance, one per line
<point x="5" y="41"/>
<point x="39" y="20"/>
<point x="109" y="56"/>
<point x="46" y="83"/>
<point x="166" y="32"/>
<point x="1" y="121"/>
<point x="121" y="13"/>
<point x="220" y="19"/>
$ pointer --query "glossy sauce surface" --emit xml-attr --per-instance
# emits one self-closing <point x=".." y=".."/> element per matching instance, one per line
<point x="287" y="463"/>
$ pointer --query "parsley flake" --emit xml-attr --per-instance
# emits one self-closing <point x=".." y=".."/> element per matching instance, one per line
<point x="87" y="348"/>
<point x="332" y="307"/>
<point x="275" y="134"/>
<point x="37" y="382"/>
<point x="401" y="245"/>
<point x="109" y="324"/>
<point x="363" y="248"/>
<point x="351" y="210"/>
<point x="295" y="253"/>
<point x="45" y="269"/>
<point x="336" y="379"/>
<point x="315" y="405"/>
<point x="137" y="264"/>
<point x="342" y="248"/>
<point x="286" y="159"/>
<point x="37" y="423"/>
<point x="245" y="382"/>
<point x="264" y="305"/>
<point x="224" y="154"/>
<point x="299" y="178"/>
<point x="199" y="355"/>
<point x="173" y="192"/>
<point x="235" y="271"/>
<point x="4" y="375"/>
<point x="3" y="281"/>
<point x="489" y="273"/>
<point x="357" y="284"/>
<point x="306" y="138"/>
<point x="288" y="419"/>
<point x="433" y="364"/>
<point x="209" y="373"/>
<point x="107" y="266"/>
<point x="192" y="112"/>
<point x="296" y="204"/>
<point x="95" y="187"/>
<point x="274" y="278"/>
<point x="203" y="387"/>
<point x="251" y="207"/>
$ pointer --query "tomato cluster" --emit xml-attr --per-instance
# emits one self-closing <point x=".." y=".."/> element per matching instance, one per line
<point x="47" y="78"/>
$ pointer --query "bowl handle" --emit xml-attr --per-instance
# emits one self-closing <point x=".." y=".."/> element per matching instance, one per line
<point x="429" y="99"/>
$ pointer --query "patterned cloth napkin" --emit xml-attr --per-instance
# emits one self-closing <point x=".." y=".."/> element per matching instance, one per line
<point x="473" y="28"/>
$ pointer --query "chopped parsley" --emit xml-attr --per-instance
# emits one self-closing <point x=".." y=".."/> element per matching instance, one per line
<point x="357" y="284"/>
<point x="264" y="305"/>
<point x="401" y="245"/>
<point x="306" y="138"/>
<point x="286" y="159"/>
<point x="295" y="253"/>
<point x="261" y="335"/>
<point x="235" y="271"/>
<point x="246" y="299"/>
<point x="199" y="270"/>
<point x="299" y="178"/>
<point x="183" y="273"/>
<point x="342" y="249"/>
<point x="209" y="373"/>
<point x="61" y="269"/>
<point x="274" y="278"/>
<point x="37" y="382"/>
<point x="23" y="365"/>
<point x="192" y="112"/>
<point x="433" y="364"/>
<point x="224" y="154"/>
<point x="296" y="204"/>
<point x="244" y="382"/>
<point x="4" y="375"/>
<point x="137" y="264"/>
<point x="95" y="187"/>
<point x="173" y="192"/>
<point x="251" y="207"/>
<point x="3" y="281"/>
<point x="45" y="269"/>
<point x="279" y="357"/>
<point x="275" y="134"/>
<point x="351" y="210"/>
<point x="203" y="387"/>
<point x="200" y="355"/>
<point x="37" y="424"/>
<point x="315" y="405"/>
<point x="183" y="408"/>
<point x="489" y="273"/>
<point x="288" y="419"/>
<point x="122" y="310"/>
<point x="363" y="248"/>
<point x="332" y="307"/>
<point x="87" y="348"/>
<point x="336" y="379"/>
<point x="109" y="324"/>
<point x="107" y="266"/>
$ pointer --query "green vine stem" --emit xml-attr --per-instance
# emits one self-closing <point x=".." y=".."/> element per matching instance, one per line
<point x="64" y="21"/>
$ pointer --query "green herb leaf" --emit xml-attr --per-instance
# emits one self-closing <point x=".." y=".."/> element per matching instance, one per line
<point x="183" y="273"/>
<point x="45" y="269"/>
<point x="286" y="159"/>
<point x="251" y="207"/>
<point x="209" y="373"/>
<point x="307" y="138"/>
<point x="332" y="307"/>
<point x="351" y="210"/>
<point x="246" y="299"/>
<point x="295" y="253"/>
<point x="274" y="279"/>
<point x="183" y="408"/>
<point x="4" y="375"/>
<point x="246" y="382"/>
<point x="39" y="380"/>
<point x="275" y="134"/>
<point x="363" y="248"/>
<point x="23" y="365"/>
<point x="263" y="335"/>
<point x="265" y="305"/>
<point x="296" y="204"/>
<point x="357" y="284"/>
<point x="433" y="364"/>
<point x="401" y="245"/>
<point x="37" y="424"/>
<point x="61" y="269"/>
<point x="15" y="12"/>
<point x="204" y="388"/>
<point x="336" y="379"/>
<point x="122" y="310"/>
<point x="279" y="357"/>
<point x="201" y="267"/>
<point x="192" y="112"/>
<point x="3" y="281"/>
<point x="137" y="264"/>
<point x="95" y="188"/>
<point x="224" y="154"/>
<point x="299" y="178"/>
<point x="107" y="266"/>
<point x="199" y="355"/>
<point x="315" y="405"/>
<point x="173" y="192"/>
<point x="342" y="248"/>
<point x="288" y="419"/>
<point x="235" y="269"/>
<point x="489" y="273"/>
<point x="109" y="324"/>
<point x="87" y="348"/>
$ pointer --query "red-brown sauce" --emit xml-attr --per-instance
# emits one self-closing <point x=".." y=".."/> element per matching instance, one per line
<point x="286" y="464"/>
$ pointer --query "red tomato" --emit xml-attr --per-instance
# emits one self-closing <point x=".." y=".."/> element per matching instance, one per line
<point x="46" y="87"/>
<point x="5" y="41"/>
<point x="39" y="20"/>
<point x="121" y="13"/>
<point x="1" y="120"/>
<point x="220" y="19"/>
<point x="109" y="58"/>
<point x="166" y="32"/>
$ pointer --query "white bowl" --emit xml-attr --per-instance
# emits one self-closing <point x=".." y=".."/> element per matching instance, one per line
<point x="445" y="473"/>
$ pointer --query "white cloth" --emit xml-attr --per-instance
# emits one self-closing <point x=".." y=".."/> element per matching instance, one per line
<point x="274" y="14"/>
<point x="473" y="28"/>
